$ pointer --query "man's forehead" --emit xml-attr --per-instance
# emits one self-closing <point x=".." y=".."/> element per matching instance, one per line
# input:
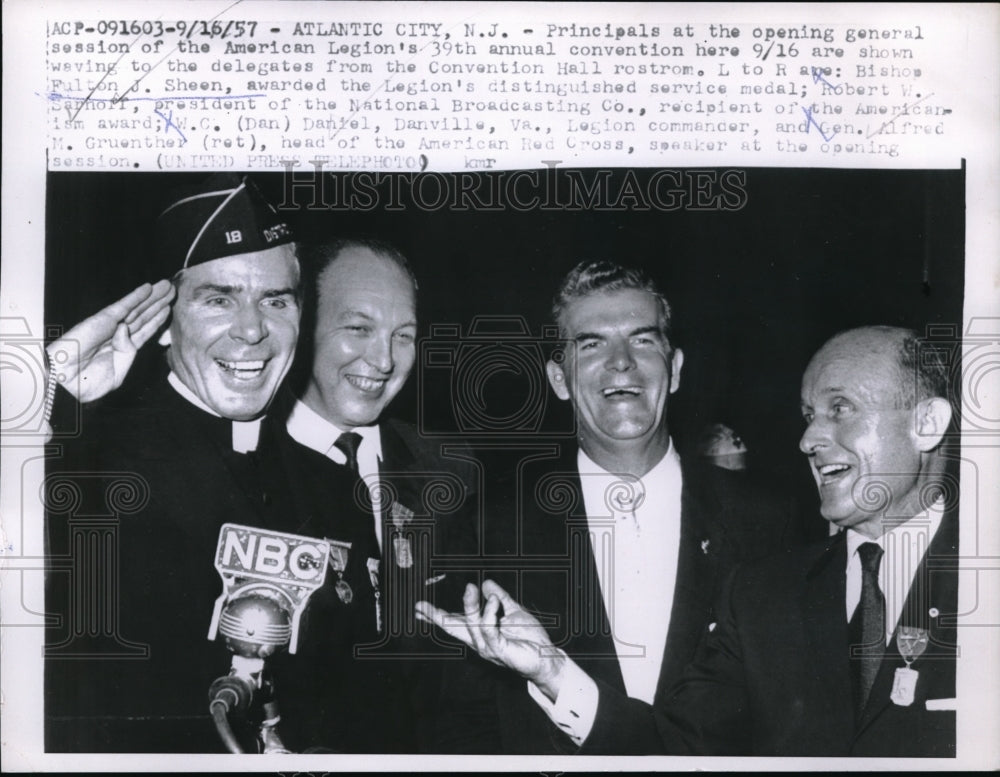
<point x="627" y="309"/>
<point x="273" y="266"/>
<point x="357" y="273"/>
<point x="862" y="373"/>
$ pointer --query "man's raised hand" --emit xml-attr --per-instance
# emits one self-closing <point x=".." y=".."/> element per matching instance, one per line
<point x="516" y="640"/>
<point x="104" y="345"/>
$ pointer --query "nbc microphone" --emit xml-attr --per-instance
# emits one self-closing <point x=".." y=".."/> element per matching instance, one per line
<point x="267" y="578"/>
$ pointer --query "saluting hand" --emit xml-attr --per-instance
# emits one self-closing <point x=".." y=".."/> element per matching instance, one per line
<point x="516" y="640"/>
<point x="94" y="357"/>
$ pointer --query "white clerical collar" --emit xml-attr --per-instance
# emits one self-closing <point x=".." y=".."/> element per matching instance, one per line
<point x="925" y="523"/>
<point x="309" y="428"/>
<point x="246" y="434"/>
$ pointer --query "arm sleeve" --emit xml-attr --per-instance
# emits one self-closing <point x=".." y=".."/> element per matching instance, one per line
<point x="574" y="711"/>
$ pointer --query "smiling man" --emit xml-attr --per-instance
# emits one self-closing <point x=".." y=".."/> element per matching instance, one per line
<point x="158" y="473"/>
<point x="357" y="352"/>
<point x="839" y="649"/>
<point x="234" y="327"/>
<point x="623" y="564"/>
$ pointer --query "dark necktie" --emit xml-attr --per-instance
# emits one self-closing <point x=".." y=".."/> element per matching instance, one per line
<point x="867" y="627"/>
<point x="348" y="444"/>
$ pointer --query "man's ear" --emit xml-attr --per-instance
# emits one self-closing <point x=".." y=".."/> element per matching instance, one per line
<point x="931" y="420"/>
<point x="676" y="362"/>
<point x="557" y="379"/>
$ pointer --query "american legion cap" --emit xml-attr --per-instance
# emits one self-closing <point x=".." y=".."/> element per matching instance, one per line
<point x="224" y="216"/>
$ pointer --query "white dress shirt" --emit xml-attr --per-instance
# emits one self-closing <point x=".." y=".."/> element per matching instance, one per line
<point x="904" y="547"/>
<point x="634" y="527"/>
<point x="245" y="433"/>
<point x="309" y="428"/>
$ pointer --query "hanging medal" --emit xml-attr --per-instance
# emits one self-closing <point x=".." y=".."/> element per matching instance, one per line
<point x="373" y="564"/>
<point x="338" y="563"/>
<point x="402" y="549"/>
<point x="911" y="643"/>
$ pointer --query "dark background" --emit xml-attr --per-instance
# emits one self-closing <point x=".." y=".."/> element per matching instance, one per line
<point x="755" y="291"/>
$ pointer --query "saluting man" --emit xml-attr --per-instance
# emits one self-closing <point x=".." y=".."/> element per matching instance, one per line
<point x="151" y="481"/>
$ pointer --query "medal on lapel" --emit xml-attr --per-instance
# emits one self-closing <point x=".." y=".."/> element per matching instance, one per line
<point x="402" y="549"/>
<point x="338" y="563"/>
<point x="911" y="643"/>
<point x="373" y="565"/>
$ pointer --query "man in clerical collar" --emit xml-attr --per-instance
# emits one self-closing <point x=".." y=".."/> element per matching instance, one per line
<point x="168" y="466"/>
<point x="235" y="316"/>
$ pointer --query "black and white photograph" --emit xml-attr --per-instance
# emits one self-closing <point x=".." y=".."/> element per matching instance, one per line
<point x="343" y="463"/>
<point x="505" y="433"/>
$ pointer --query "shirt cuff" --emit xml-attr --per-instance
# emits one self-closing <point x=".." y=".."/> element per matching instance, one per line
<point x="575" y="709"/>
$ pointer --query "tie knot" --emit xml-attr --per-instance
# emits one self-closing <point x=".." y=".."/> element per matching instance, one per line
<point x="870" y="554"/>
<point x="348" y="444"/>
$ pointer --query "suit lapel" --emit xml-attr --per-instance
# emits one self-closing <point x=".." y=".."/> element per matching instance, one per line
<point x="396" y="476"/>
<point x="825" y="626"/>
<point x="933" y="594"/>
<point x="701" y="541"/>
<point x="572" y="593"/>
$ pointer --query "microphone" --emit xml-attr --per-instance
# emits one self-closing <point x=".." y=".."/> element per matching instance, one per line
<point x="267" y="579"/>
<point x="254" y="626"/>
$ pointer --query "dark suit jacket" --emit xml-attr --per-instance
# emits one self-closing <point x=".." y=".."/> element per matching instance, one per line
<point x="430" y="513"/>
<point x="773" y="677"/>
<point x="548" y="566"/>
<point x="429" y="533"/>
<point x="134" y="511"/>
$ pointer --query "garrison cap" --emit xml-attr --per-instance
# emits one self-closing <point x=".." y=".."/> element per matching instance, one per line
<point x="226" y="215"/>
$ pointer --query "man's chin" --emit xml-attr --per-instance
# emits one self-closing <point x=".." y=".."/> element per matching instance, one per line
<point x="240" y="408"/>
<point x="363" y="411"/>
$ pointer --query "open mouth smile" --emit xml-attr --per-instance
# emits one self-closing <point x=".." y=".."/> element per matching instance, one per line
<point x="830" y="473"/>
<point x="366" y="385"/>
<point x="621" y="392"/>
<point x="242" y="370"/>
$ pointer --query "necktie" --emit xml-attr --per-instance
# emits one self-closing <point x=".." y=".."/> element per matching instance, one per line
<point x="867" y="627"/>
<point x="348" y="444"/>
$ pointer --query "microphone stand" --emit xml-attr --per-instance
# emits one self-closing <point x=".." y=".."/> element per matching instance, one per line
<point x="267" y="579"/>
<point x="255" y="627"/>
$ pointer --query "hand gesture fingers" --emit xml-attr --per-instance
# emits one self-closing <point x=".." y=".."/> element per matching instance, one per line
<point x="149" y="315"/>
<point x="95" y="355"/>
<point x="453" y="624"/>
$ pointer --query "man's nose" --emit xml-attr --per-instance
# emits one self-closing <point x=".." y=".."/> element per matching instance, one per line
<point x="379" y="353"/>
<point x="816" y="435"/>
<point x="249" y="325"/>
<point x="619" y="356"/>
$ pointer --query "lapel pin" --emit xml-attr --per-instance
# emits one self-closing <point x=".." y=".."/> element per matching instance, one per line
<point x="704" y="546"/>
